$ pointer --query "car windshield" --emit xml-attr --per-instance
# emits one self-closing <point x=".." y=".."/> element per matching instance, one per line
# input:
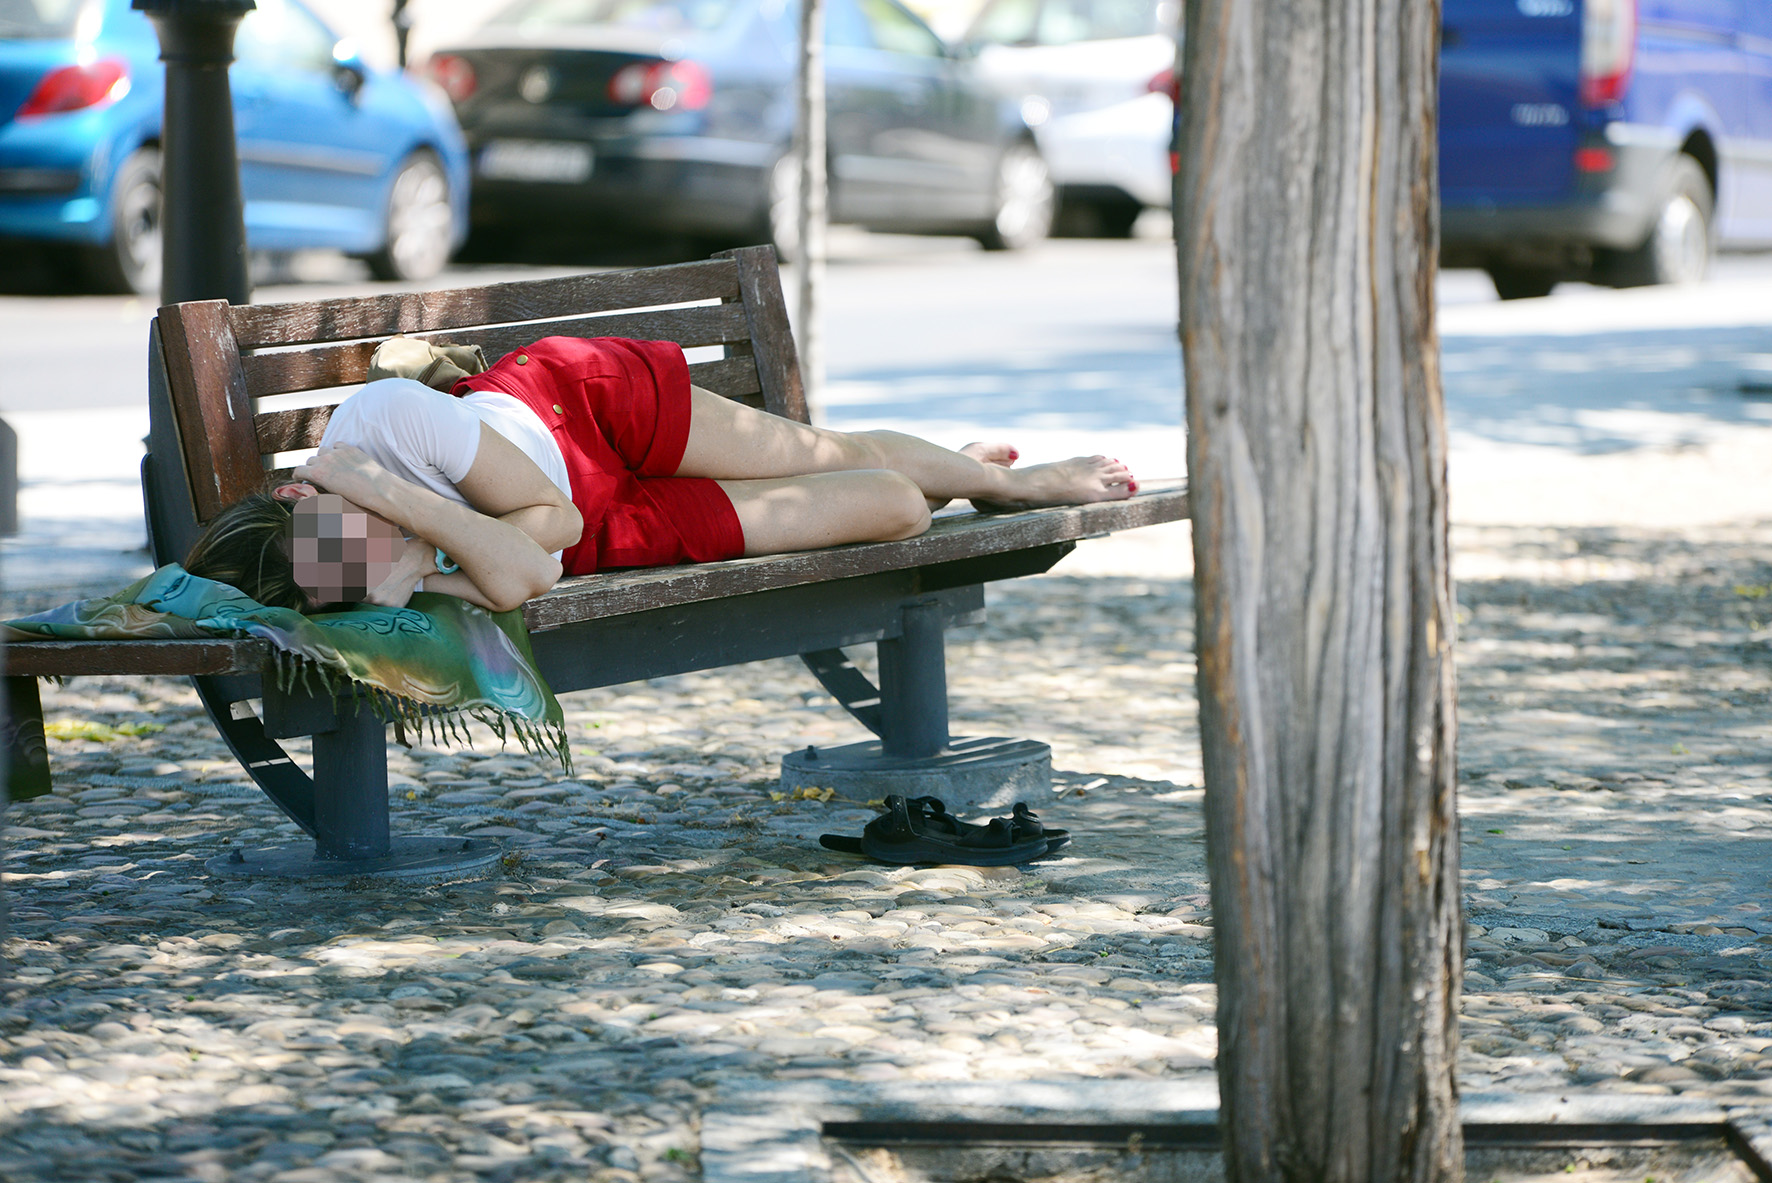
<point x="663" y="16"/>
<point x="39" y="18"/>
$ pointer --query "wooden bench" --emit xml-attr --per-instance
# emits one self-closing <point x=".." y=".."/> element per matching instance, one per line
<point x="218" y="371"/>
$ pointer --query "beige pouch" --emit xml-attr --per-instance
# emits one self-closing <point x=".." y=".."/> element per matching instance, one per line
<point x="437" y="366"/>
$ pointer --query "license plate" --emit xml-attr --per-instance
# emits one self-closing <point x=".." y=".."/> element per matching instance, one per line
<point x="535" y="160"/>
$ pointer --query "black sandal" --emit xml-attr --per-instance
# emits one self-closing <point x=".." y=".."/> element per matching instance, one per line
<point x="921" y="830"/>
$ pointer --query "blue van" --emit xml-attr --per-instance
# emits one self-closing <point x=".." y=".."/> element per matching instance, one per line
<point x="1614" y="141"/>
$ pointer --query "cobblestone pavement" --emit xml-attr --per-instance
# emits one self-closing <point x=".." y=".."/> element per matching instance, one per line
<point x="665" y="923"/>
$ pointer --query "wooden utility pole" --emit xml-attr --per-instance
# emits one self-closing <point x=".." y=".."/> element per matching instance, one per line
<point x="1307" y="229"/>
<point x="809" y="147"/>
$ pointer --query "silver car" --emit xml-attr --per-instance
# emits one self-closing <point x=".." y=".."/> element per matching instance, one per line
<point x="1094" y="79"/>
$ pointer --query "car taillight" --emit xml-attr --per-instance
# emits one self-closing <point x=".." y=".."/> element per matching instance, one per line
<point x="75" y="88"/>
<point x="664" y="86"/>
<point x="1165" y="82"/>
<point x="455" y="75"/>
<point x="1608" y="44"/>
<point x="1594" y="159"/>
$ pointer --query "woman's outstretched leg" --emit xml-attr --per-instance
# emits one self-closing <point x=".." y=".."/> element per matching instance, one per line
<point x="785" y="514"/>
<point x="730" y="441"/>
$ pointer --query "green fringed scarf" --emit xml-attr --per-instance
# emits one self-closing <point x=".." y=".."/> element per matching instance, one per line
<point x="432" y="662"/>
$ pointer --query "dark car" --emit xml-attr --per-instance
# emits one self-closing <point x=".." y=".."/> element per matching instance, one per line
<point x="678" y="115"/>
<point x="1611" y="140"/>
<point x="333" y="153"/>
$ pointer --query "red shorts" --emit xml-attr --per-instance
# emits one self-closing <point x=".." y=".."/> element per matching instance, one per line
<point x="620" y="412"/>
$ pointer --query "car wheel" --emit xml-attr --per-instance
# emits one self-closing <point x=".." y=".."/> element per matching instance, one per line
<point x="130" y="262"/>
<point x="1522" y="283"/>
<point x="1678" y="248"/>
<point x="1026" y="200"/>
<point x="420" y="222"/>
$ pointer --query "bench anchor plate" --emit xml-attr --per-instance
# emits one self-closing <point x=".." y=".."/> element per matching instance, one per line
<point x="431" y="858"/>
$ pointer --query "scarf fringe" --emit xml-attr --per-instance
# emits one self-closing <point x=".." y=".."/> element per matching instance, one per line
<point x="445" y="726"/>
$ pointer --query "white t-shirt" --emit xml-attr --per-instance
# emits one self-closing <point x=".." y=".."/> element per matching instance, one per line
<point x="430" y="438"/>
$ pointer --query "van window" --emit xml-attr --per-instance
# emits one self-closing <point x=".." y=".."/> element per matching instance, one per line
<point x="279" y="35"/>
<point x="665" y="16"/>
<point x="897" y="31"/>
<point x="1064" y="22"/>
<point x="39" y="18"/>
<point x="1007" y="22"/>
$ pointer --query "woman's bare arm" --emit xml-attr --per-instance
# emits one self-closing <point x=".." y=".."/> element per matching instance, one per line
<point x="502" y="540"/>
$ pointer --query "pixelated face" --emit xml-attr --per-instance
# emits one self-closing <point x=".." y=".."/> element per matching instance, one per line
<point x="341" y="550"/>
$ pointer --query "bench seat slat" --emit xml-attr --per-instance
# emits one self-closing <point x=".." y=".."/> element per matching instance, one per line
<point x="347" y="318"/>
<point x="346" y="365"/>
<point x="618" y="593"/>
<point x="60" y="658"/>
<point x="950" y="539"/>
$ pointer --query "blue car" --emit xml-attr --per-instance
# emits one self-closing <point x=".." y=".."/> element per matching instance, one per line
<point x="1617" y="141"/>
<point x="333" y="153"/>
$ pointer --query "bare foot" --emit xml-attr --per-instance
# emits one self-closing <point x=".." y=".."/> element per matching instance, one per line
<point x="1076" y="481"/>
<point x="1002" y="455"/>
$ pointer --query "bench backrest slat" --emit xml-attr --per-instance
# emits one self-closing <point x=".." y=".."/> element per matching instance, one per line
<point x="210" y="405"/>
<point x="219" y="359"/>
<point x="348" y="364"/>
<point x="346" y="318"/>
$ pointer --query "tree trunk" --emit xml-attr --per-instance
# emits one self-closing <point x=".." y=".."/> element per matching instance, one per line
<point x="1307" y="232"/>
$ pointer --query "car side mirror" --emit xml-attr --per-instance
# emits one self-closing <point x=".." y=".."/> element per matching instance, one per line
<point x="348" y="71"/>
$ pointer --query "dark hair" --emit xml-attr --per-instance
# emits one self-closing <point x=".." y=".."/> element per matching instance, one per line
<point x="246" y="546"/>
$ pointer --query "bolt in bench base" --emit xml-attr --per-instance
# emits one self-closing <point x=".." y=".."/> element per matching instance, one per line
<point x="433" y="858"/>
<point x="970" y="774"/>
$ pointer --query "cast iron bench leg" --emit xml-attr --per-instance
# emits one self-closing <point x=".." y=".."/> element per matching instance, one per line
<point x="914" y="685"/>
<point x="351" y="783"/>
<point x="914" y="755"/>
<point x="349" y="795"/>
<point x="27" y="753"/>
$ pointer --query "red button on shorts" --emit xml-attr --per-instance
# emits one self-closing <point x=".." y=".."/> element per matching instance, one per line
<point x="619" y="410"/>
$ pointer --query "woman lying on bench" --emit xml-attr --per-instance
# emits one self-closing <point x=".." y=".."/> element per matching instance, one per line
<point x="573" y="456"/>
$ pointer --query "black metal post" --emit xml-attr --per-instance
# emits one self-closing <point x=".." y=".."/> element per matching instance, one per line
<point x="914" y="684"/>
<point x="202" y="215"/>
<point x="351" y="786"/>
<point x="402" y="28"/>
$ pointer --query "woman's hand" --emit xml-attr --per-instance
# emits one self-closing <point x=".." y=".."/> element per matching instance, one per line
<point x="416" y="562"/>
<point x="350" y="472"/>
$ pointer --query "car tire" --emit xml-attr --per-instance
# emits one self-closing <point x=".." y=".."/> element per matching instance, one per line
<point x="1678" y="248"/>
<point x="1522" y="283"/>
<point x="420" y="223"/>
<point x="1026" y="200"/>
<point x="130" y="263"/>
<point x="1100" y="218"/>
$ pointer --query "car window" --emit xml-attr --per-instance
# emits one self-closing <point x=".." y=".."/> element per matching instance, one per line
<point x="897" y="31"/>
<point x="279" y="35"/>
<point x="40" y="18"/>
<point x="1064" y="22"/>
<point x="664" y="16"/>
<point x="1007" y="22"/>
